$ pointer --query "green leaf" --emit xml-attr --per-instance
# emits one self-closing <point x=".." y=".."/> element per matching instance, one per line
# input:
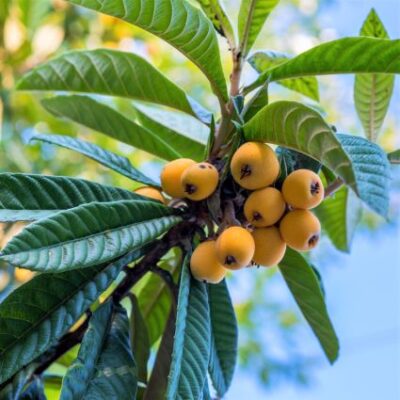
<point x="224" y="337"/>
<point x="139" y="340"/>
<point x="215" y="12"/>
<point x="111" y="73"/>
<point x="164" y="143"/>
<point x="178" y="23"/>
<point x="300" y="128"/>
<point x="52" y="386"/>
<point x="372" y="92"/>
<point x="25" y="197"/>
<point x="372" y="171"/>
<point x="37" y="314"/>
<point x="394" y="157"/>
<point x="303" y="283"/>
<point x="191" y="143"/>
<point x="155" y="298"/>
<point x="350" y="55"/>
<point x="176" y="121"/>
<point x="252" y="16"/>
<point x="105" y="368"/>
<point x="339" y="216"/>
<point x="87" y="235"/>
<point x="191" y="351"/>
<point x="158" y="382"/>
<point x="262" y="61"/>
<point x="104" y="157"/>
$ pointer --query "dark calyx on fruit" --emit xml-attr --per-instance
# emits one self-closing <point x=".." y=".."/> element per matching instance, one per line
<point x="257" y="216"/>
<point x="190" y="189"/>
<point x="245" y="171"/>
<point x="229" y="260"/>
<point x="313" y="240"/>
<point x="315" y="188"/>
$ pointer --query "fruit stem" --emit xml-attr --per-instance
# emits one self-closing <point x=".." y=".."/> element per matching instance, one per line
<point x="333" y="187"/>
<point x="226" y="127"/>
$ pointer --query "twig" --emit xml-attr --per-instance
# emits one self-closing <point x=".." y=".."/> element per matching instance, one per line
<point x="333" y="187"/>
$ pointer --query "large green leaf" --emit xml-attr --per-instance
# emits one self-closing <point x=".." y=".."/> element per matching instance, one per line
<point x="350" y="55"/>
<point x="304" y="285"/>
<point x="191" y="351"/>
<point x="339" y="216"/>
<point x="158" y="382"/>
<point x="153" y="138"/>
<point x="224" y="337"/>
<point x="88" y="235"/>
<point x="105" y="368"/>
<point x="215" y="12"/>
<point x="104" y="157"/>
<point x="262" y="61"/>
<point x="300" y="128"/>
<point x="31" y="197"/>
<point x="252" y="16"/>
<point x="111" y="73"/>
<point x="372" y="93"/>
<point x="178" y="23"/>
<point x="37" y="314"/>
<point x="139" y="340"/>
<point x="372" y="170"/>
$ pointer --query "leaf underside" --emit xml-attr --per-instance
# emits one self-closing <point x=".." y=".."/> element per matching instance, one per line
<point x="107" y="158"/>
<point x="372" y="93"/>
<point x="105" y="368"/>
<point x="224" y="337"/>
<point x="191" y="351"/>
<point x="305" y="288"/>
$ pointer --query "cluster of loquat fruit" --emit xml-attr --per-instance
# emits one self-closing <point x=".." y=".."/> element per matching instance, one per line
<point x="272" y="218"/>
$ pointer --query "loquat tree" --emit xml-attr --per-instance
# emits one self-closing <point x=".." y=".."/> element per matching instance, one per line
<point x="122" y="274"/>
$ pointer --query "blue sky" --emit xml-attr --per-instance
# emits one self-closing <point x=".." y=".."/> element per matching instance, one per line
<point x="362" y="288"/>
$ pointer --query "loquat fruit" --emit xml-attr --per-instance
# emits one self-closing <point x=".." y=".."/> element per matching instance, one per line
<point x="152" y="193"/>
<point x="264" y="207"/>
<point x="199" y="181"/>
<point x="235" y="247"/>
<point x="303" y="189"/>
<point x="254" y="165"/>
<point x="270" y="247"/>
<point x="171" y="176"/>
<point x="204" y="263"/>
<point x="300" y="229"/>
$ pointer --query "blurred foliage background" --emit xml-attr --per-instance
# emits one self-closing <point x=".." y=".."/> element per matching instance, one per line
<point x="31" y="31"/>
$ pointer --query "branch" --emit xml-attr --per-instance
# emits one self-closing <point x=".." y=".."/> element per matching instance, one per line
<point x="333" y="187"/>
<point x="225" y="127"/>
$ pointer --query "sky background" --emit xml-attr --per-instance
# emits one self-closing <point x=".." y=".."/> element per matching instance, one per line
<point x="362" y="288"/>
